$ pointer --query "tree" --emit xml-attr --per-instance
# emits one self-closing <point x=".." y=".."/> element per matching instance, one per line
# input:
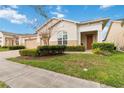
<point x="42" y="12"/>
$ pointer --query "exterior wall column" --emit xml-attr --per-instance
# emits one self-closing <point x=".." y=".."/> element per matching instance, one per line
<point x="99" y="36"/>
<point x="3" y="41"/>
<point x="99" y="39"/>
<point x="38" y="40"/>
<point x="79" y="38"/>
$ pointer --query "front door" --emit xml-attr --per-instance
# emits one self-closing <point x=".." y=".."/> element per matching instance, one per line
<point x="89" y="41"/>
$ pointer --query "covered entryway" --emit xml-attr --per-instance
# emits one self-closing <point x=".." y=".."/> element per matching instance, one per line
<point x="9" y="41"/>
<point x="87" y="39"/>
<point x="31" y="43"/>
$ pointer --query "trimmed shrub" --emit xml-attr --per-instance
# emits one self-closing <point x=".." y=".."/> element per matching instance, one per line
<point x="101" y="52"/>
<point x="16" y="47"/>
<point x="5" y="47"/>
<point x="104" y="46"/>
<point x="75" y="48"/>
<point x="97" y="51"/>
<point x="28" y="52"/>
<point x="50" y="50"/>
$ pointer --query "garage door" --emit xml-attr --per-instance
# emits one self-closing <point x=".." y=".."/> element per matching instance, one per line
<point x="31" y="43"/>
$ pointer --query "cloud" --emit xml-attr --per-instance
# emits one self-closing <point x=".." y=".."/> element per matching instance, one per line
<point x="59" y="8"/>
<point x="105" y="6"/>
<point x="13" y="6"/>
<point x="58" y="15"/>
<point x="8" y="6"/>
<point x="13" y="16"/>
<point x="59" y="12"/>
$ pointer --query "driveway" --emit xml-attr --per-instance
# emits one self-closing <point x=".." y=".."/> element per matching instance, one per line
<point x="23" y="76"/>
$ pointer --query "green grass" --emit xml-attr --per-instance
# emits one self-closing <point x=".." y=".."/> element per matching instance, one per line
<point x="4" y="49"/>
<point x="108" y="70"/>
<point x="3" y="85"/>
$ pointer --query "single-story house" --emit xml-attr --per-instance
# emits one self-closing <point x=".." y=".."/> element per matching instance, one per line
<point x="8" y="39"/>
<point x="13" y="39"/>
<point x="71" y="33"/>
<point x="115" y="34"/>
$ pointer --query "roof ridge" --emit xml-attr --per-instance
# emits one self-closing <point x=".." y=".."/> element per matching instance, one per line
<point x="94" y="20"/>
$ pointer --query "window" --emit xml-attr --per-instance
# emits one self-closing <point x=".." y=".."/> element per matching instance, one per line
<point x="62" y="38"/>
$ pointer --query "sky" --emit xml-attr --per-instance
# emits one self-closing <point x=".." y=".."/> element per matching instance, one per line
<point x="21" y="19"/>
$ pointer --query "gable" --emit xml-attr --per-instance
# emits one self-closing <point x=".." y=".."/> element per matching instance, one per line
<point x="48" y="24"/>
<point x="69" y="27"/>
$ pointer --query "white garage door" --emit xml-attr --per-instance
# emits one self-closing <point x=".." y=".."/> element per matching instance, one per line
<point x="31" y="43"/>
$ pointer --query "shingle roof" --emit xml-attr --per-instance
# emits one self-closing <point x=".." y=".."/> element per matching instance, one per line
<point x="105" y="20"/>
<point x="8" y="33"/>
<point x="95" y="20"/>
<point x="14" y="34"/>
<point x="122" y="19"/>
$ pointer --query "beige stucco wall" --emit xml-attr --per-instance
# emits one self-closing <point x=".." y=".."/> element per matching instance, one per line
<point x="70" y="42"/>
<point x="116" y="34"/>
<point x="1" y="39"/>
<point x="46" y="26"/>
<point x="68" y="27"/>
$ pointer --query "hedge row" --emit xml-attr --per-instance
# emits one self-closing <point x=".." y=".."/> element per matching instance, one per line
<point x="29" y="52"/>
<point x="50" y="50"/>
<point x="13" y="47"/>
<point x="104" y="46"/>
<point x="43" y="51"/>
<point x="16" y="47"/>
<point x="4" y="46"/>
<point x="75" y="48"/>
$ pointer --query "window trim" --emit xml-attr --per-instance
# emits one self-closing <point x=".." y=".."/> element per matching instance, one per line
<point x="62" y="33"/>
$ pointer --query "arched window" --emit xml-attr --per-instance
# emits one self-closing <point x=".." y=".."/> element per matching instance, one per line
<point x="62" y="38"/>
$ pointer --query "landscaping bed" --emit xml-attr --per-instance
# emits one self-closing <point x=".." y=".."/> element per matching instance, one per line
<point x="108" y="70"/>
<point x="3" y="85"/>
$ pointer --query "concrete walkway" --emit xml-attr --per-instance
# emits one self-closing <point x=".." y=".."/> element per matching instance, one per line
<point x="85" y="52"/>
<point x="22" y="76"/>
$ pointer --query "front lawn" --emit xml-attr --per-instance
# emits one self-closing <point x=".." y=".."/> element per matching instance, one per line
<point x="3" y="85"/>
<point x="108" y="70"/>
<point x="3" y="49"/>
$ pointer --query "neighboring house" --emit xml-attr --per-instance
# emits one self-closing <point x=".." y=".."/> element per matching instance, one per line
<point x="12" y="39"/>
<point x="115" y="34"/>
<point x="8" y="39"/>
<point x="71" y="33"/>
